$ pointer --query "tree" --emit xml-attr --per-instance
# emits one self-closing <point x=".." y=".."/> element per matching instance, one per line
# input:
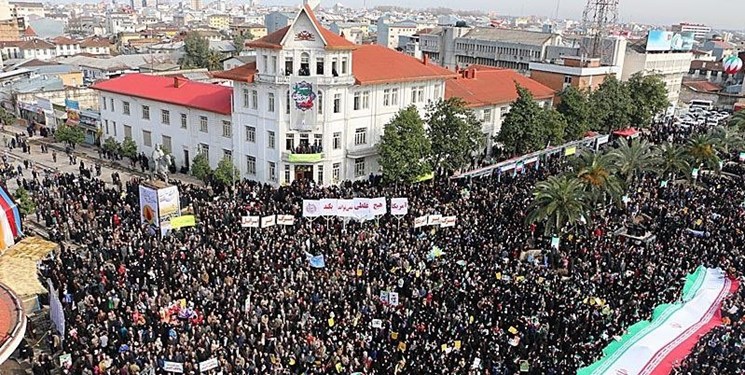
<point x="575" y="107"/>
<point x="521" y="132"/>
<point x="214" y="60"/>
<point x="7" y="118"/>
<point x="737" y="120"/>
<point x="649" y="98"/>
<point x="200" y="167"/>
<point x="196" y="51"/>
<point x="239" y="42"/>
<point x="70" y="134"/>
<point x="728" y="139"/>
<point x="404" y="147"/>
<point x="611" y="106"/>
<point x="128" y="148"/>
<point x="226" y="172"/>
<point x="554" y="126"/>
<point x="671" y="161"/>
<point x="597" y="172"/>
<point x="559" y="201"/>
<point x="633" y="158"/>
<point x="111" y="145"/>
<point x="26" y="205"/>
<point x="702" y="151"/>
<point x="455" y="133"/>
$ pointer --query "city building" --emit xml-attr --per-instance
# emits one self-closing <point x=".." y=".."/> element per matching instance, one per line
<point x="355" y="32"/>
<point x="66" y="46"/>
<point x="6" y="11"/>
<point x="490" y="91"/>
<point x="9" y="30"/>
<point x="254" y="30"/>
<point x="314" y="105"/>
<point x="195" y="4"/>
<point x="584" y="74"/>
<point x="670" y="66"/>
<point x="699" y="31"/>
<point x="389" y="32"/>
<point x="118" y="22"/>
<point x="462" y="46"/>
<point x="96" y="45"/>
<point x="277" y="20"/>
<point x="37" y="49"/>
<point x="26" y="9"/>
<point x="219" y="21"/>
<point x="183" y="117"/>
<point x="719" y="48"/>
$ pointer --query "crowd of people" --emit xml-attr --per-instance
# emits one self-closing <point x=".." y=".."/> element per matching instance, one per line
<point x="488" y="296"/>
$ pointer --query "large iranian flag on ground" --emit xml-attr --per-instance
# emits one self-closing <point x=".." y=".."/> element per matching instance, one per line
<point x="651" y="347"/>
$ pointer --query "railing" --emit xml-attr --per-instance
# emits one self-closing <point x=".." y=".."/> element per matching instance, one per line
<point x="362" y="152"/>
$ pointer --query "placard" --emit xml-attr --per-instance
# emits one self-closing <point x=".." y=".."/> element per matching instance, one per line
<point x="208" y="364"/>
<point x="183" y="221"/>
<point x="377" y="323"/>
<point x="399" y="206"/>
<point x="420" y="221"/>
<point x="378" y="206"/>
<point x="285" y="220"/>
<point x="311" y="208"/>
<point x="268" y="221"/>
<point x="362" y="209"/>
<point x="434" y="219"/>
<point x="345" y="207"/>
<point x="250" y="221"/>
<point x="448" y="221"/>
<point x="393" y="298"/>
<point x="329" y="207"/>
<point x="173" y="367"/>
<point x="384" y="296"/>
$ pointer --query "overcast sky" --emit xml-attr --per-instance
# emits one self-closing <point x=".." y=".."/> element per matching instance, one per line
<point x="727" y="14"/>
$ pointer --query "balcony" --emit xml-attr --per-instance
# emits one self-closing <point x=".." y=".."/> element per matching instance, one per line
<point x="362" y="152"/>
<point x="302" y="158"/>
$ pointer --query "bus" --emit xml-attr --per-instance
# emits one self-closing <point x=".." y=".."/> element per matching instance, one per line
<point x="703" y="104"/>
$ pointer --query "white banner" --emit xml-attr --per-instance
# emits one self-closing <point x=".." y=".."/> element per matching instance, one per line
<point x="434" y="219"/>
<point x="149" y="206"/>
<point x="345" y="208"/>
<point x="311" y="208"/>
<point x="448" y="221"/>
<point x="378" y="206"/>
<point x="208" y="365"/>
<point x="173" y="367"/>
<point x="420" y="221"/>
<point x="250" y="221"/>
<point x="285" y="220"/>
<point x="168" y="203"/>
<point x="393" y="298"/>
<point x="399" y="206"/>
<point x="362" y="208"/>
<point x="329" y="207"/>
<point x="268" y="221"/>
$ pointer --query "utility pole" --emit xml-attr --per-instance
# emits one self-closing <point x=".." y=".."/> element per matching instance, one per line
<point x="597" y="17"/>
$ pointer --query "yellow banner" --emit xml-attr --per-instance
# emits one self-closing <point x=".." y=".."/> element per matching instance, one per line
<point x="570" y="151"/>
<point x="183" y="221"/>
<point x="425" y="177"/>
<point x="304" y="158"/>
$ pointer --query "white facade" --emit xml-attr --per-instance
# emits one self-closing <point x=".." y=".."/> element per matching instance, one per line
<point x="183" y="135"/>
<point x="699" y="31"/>
<point x="388" y="34"/>
<point x="670" y="66"/>
<point x="67" y="49"/>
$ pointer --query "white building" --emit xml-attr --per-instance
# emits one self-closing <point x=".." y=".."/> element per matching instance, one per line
<point x="671" y="66"/>
<point x="38" y="49"/>
<point x="66" y="46"/>
<point x="389" y="32"/>
<point x="314" y="104"/>
<point x="699" y="31"/>
<point x="122" y="22"/>
<point x="27" y="10"/>
<point x="184" y="117"/>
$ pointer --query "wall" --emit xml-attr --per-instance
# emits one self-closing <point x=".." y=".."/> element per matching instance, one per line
<point x="87" y="98"/>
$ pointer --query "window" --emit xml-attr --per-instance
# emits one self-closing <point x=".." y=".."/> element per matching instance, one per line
<point x="366" y="100"/>
<point x="104" y="102"/>
<point x="266" y="63"/>
<point x="394" y="96"/>
<point x="113" y="126"/>
<point x="319" y="102"/>
<point x="386" y="97"/>
<point x="288" y="66"/>
<point x="270" y="139"/>
<point x="165" y="116"/>
<point x="567" y="79"/>
<point x="273" y="67"/>
<point x="251" y="165"/>
<point x="487" y="115"/>
<point x="334" y="72"/>
<point x="437" y="92"/>
<point x="183" y="121"/>
<point x="203" y="124"/>
<point x="106" y="126"/>
<point x="287" y="173"/>
<point x="336" y="171"/>
<point x="417" y="94"/>
<point x="254" y="99"/>
<point x="227" y="129"/>
<point x="127" y="131"/>
<point x="270" y="102"/>
<point x="318" y="140"/>
<point x="272" y="171"/>
<point x="112" y="105"/>
<point x="166" y="141"/>
<point x="245" y="98"/>
<point x="360" y="136"/>
<point x="227" y="154"/>
<point x="287" y="102"/>
<point x="320" y="174"/>
<point x="204" y="149"/>
<point x="337" y="103"/>
<point x="250" y="134"/>
<point x="125" y="108"/>
<point x="336" y="141"/>
<point x="343" y="65"/>
<point x="356" y="102"/>
<point x="304" y="64"/>
<point x="145" y="112"/>
<point x="359" y="167"/>
<point x="147" y="138"/>
<point x="319" y="66"/>
<point x="290" y="142"/>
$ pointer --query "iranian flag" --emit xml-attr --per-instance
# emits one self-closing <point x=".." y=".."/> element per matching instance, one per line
<point x="651" y="347"/>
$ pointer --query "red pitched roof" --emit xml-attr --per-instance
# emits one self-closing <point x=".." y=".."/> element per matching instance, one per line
<point x="29" y="31"/>
<point x="95" y="41"/>
<point x="332" y="41"/>
<point x="61" y="40"/>
<point x="702" y="86"/>
<point x="372" y="63"/>
<point x="204" y="96"/>
<point x="36" y="44"/>
<point x="243" y="73"/>
<point x="480" y="86"/>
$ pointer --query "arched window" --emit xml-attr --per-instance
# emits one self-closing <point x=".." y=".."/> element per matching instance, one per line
<point x="304" y="64"/>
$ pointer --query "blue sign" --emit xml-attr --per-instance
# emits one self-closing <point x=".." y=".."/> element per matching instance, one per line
<point x="72" y="104"/>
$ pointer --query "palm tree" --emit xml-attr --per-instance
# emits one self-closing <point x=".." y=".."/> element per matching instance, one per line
<point x="671" y="160"/>
<point x="737" y="120"/>
<point x="633" y="158"/>
<point x="702" y="151"/>
<point x="728" y="139"/>
<point x="559" y="201"/>
<point x="597" y="173"/>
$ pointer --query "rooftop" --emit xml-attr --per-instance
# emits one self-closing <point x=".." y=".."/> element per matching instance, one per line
<point x="243" y="73"/>
<point x="329" y="38"/>
<point x="702" y="86"/>
<point x="204" y="96"/>
<point x="509" y="36"/>
<point x="62" y="40"/>
<point x="373" y="63"/>
<point x="481" y="86"/>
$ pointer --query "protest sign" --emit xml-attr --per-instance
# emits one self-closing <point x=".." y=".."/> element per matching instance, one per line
<point x="250" y="221"/>
<point x="268" y="221"/>
<point x="208" y="365"/>
<point x="173" y="367"/>
<point x="183" y="221"/>
<point x="65" y="360"/>
<point x="285" y="220"/>
<point x="399" y="206"/>
<point x="377" y="323"/>
<point x="311" y="208"/>
<point x="555" y="242"/>
<point x="362" y="210"/>
<point x="329" y="207"/>
<point x="448" y="221"/>
<point x="345" y="208"/>
<point x="317" y="261"/>
<point x="378" y="206"/>
<point x="434" y="219"/>
<point x="393" y="298"/>
<point x="420" y="221"/>
<point x="384" y="296"/>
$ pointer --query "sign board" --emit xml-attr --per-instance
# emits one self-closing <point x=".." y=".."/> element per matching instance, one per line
<point x="378" y="206"/>
<point x="208" y="364"/>
<point x="377" y="323"/>
<point x="448" y="221"/>
<point x="393" y="298"/>
<point x="420" y="221"/>
<point x="183" y="221"/>
<point x="268" y="221"/>
<point x="434" y="219"/>
<point x="285" y="220"/>
<point x="65" y="360"/>
<point x="311" y="208"/>
<point x="250" y="221"/>
<point x="399" y="206"/>
<point x="173" y="367"/>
